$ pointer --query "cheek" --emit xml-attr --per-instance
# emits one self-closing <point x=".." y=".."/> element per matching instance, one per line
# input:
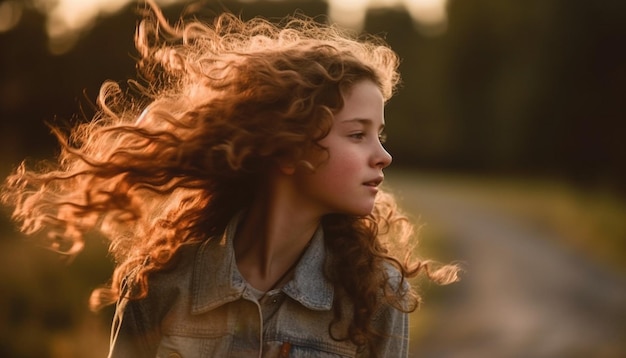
<point x="347" y="165"/>
<point x="346" y="158"/>
<point x="340" y="168"/>
<point x="341" y="161"/>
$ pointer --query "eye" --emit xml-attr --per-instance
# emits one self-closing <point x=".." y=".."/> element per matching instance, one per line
<point x="382" y="137"/>
<point x="357" y="135"/>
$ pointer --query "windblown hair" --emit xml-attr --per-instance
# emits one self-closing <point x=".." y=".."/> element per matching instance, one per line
<point x="170" y="163"/>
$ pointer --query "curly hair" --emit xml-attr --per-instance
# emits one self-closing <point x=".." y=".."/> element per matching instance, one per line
<point x="168" y="161"/>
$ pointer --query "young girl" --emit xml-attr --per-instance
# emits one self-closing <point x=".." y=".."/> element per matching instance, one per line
<point x="240" y="188"/>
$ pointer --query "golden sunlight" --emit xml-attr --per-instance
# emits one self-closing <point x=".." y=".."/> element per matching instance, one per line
<point x="66" y="19"/>
<point x="10" y="14"/>
<point x="348" y="13"/>
<point x="429" y="16"/>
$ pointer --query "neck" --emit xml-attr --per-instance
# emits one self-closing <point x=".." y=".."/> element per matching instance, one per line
<point x="272" y="236"/>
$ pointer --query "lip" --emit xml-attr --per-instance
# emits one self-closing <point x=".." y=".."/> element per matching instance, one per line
<point x="374" y="183"/>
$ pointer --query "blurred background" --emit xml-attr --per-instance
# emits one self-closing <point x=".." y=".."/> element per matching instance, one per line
<point x="508" y="143"/>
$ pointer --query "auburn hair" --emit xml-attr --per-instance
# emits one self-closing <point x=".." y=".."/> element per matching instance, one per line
<point x="171" y="159"/>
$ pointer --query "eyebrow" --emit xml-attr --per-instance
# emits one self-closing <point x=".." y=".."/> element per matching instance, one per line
<point x="364" y="121"/>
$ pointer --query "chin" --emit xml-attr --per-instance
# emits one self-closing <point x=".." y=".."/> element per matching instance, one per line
<point x="354" y="209"/>
<point x="362" y="211"/>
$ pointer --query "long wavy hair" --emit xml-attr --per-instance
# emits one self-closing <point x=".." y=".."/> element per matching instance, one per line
<point x="169" y="160"/>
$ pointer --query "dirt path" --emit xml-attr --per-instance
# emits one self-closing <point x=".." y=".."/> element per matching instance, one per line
<point x="523" y="295"/>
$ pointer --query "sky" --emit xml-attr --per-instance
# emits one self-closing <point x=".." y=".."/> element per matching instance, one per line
<point x="67" y="18"/>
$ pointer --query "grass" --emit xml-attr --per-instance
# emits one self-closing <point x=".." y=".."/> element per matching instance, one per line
<point x="591" y="221"/>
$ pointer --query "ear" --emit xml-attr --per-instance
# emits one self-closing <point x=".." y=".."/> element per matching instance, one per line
<point x="285" y="165"/>
<point x="287" y="169"/>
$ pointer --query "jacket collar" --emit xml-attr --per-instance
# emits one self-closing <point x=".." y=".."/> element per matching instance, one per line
<point x="216" y="279"/>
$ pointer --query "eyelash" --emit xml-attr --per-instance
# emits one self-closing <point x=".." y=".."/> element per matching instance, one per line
<point x="382" y="137"/>
<point x="359" y="135"/>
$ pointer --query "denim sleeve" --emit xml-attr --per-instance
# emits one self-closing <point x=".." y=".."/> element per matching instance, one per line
<point x="392" y="323"/>
<point x="133" y="332"/>
<point x="394" y="326"/>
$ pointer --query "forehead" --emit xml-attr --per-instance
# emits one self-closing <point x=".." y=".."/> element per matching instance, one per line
<point x="363" y="100"/>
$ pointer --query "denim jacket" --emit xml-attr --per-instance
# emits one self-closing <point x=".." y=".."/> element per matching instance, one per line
<point x="203" y="307"/>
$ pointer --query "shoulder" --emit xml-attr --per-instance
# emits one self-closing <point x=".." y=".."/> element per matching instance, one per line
<point x="164" y="284"/>
<point x="396" y="301"/>
<point x="397" y="291"/>
<point x="395" y="280"/>
<point x="137" y="321"/>
<point x="176" y="274"/>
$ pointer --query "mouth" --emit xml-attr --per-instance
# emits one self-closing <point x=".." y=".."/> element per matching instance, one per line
<point x="374" y="183"/>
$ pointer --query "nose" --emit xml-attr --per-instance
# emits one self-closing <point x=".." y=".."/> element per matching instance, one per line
<point x="382" y="158"/>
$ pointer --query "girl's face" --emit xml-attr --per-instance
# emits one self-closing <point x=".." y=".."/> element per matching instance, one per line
<point x="346" y="179"/>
